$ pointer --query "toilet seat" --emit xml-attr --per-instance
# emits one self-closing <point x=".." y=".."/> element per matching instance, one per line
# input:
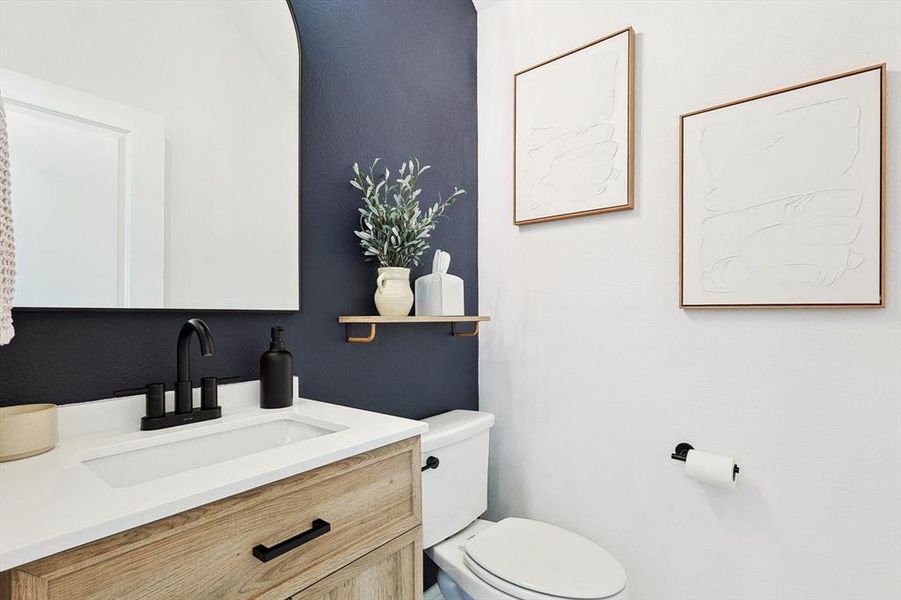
<point x="514" y="591"/>
<point x="531" y="560"/>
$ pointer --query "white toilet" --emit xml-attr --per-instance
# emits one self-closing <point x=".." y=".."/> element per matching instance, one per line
<point x="513" y="558"/>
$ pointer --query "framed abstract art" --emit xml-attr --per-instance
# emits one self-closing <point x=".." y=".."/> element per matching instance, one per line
<point x="782" y="197"/>
<point x="573" y="129"/>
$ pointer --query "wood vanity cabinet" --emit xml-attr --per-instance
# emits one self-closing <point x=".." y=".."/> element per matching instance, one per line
<point x="373" y="548"/>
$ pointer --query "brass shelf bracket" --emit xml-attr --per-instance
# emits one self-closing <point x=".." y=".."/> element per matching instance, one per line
<point x="350" y="321"/>
<point x="473" y="333"/>
<point x="359" y="340"/>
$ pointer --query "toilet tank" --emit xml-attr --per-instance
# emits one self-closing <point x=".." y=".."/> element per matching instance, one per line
<point x="456" y="492"/>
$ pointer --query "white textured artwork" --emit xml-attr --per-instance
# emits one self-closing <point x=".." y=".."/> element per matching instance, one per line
<point x="573" y="133"/>
<point x="781" y="197"/>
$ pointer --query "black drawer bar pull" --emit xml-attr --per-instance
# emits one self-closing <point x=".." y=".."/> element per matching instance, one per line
<point x="265" y="553"/>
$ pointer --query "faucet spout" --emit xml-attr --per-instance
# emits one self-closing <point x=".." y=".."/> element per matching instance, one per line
<point x="183" y="393"/>
<point x="188" y="330"/>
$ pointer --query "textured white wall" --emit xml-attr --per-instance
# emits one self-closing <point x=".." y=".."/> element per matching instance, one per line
<point x="595" y="373"/>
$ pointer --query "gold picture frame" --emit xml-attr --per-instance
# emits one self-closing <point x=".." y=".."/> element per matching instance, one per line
<point x="628" y="201"/>
<point x="881" y="211"/>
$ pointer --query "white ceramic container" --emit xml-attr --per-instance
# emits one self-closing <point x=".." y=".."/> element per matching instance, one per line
<point x="393" y="296"/>
<point x="26" y="430"/>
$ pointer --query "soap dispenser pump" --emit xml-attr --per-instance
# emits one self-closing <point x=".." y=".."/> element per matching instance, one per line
<point x="276" y="373"/>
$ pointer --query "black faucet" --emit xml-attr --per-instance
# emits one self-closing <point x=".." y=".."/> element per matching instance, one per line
<point x="184" y="396"/>
<point x="156" y="417"/>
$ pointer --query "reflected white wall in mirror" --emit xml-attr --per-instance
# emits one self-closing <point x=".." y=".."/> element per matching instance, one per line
<point x="155" y="159"/>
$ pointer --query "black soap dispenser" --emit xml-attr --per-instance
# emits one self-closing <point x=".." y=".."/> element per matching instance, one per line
<point x="276" y="373"/>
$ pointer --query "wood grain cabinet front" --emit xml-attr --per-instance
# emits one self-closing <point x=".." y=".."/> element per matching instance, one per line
<point x="352" y="525"/>
<point x="391" y="572"/>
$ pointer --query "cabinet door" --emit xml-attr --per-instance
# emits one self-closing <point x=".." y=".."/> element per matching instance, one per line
<point x="391" y="572"/>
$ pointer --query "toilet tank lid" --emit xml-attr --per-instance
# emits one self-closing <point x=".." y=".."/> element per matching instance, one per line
<point x="454" y="426"/>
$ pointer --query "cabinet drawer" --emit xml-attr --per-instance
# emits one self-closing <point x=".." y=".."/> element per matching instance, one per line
<point x="392" y="572"/>
<point x="207" y="552"/>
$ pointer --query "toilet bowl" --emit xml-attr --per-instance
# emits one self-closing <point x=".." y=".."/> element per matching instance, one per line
<point x="513" y="559"/>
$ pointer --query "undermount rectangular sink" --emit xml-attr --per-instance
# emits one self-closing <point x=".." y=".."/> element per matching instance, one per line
<point x="132" y="467"/>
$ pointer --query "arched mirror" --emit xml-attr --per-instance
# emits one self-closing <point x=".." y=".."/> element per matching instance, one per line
<point x="154" y="151"/>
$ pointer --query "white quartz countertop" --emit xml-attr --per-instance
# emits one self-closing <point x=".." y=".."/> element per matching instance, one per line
<point x="53" y="501"/>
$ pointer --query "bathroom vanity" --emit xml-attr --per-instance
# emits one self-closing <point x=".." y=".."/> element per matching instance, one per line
<point x="312" y="501"/>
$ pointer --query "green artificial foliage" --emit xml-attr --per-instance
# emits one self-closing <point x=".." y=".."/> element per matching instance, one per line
<point x="394" y="230"/>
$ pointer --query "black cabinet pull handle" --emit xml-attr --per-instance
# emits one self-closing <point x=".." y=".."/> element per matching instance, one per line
<point x="265" y="553"/>
<point x="431" y="462"/>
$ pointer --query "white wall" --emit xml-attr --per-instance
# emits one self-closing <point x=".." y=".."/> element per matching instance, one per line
<point x="595" y="373"/>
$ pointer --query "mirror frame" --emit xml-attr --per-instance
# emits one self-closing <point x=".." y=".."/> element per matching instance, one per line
<point x="116" y="309"/>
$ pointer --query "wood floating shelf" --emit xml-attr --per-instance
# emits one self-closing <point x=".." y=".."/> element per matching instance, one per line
<point x="374" y="320"/>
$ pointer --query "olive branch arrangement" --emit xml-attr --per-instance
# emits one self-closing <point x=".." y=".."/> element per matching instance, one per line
<point x="393" y="227"/>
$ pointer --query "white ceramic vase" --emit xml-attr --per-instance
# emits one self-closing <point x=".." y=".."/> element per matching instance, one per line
<point x="393" y="296"/>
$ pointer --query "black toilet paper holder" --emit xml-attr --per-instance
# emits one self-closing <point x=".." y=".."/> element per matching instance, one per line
<point x="681" y="453"/>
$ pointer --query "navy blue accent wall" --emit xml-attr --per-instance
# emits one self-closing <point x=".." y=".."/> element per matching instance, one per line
<point x="387" y="79"/>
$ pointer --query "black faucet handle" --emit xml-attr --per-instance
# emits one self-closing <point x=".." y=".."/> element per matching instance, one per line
<point x="209" y="395"/>
<point x="155" y="405"/>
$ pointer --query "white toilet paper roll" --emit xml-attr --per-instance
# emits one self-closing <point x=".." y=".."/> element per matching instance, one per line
<point x="709" y="468"/>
